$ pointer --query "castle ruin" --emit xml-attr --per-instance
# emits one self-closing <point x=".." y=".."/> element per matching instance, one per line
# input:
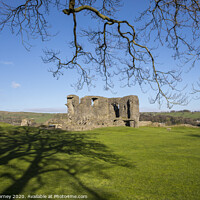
<point x="95" y="111"/>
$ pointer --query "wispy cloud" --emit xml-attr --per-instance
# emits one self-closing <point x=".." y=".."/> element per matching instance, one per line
<point x="6" y="63"/>
<point x="15" y="85"/>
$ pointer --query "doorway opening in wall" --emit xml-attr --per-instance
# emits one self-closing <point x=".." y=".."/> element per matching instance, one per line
<point x="116" y="109"/>
<point x="128" y="109"/>
<point x="127" y="123"/>
<point x="94" y="101"/>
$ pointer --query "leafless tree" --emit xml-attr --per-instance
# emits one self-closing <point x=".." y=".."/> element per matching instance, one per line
<point x="120" y="48"/>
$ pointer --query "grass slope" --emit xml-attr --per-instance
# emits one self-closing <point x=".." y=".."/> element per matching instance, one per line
<point x="18" y="116"/>
<point x="117" y="163"/>
<point x="3" y="124"/>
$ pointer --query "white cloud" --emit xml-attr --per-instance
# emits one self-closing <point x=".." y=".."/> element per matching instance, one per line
<point x="6" y="63"/>
<point x="15" y="85"/>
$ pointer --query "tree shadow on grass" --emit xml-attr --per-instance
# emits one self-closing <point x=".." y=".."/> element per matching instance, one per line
<point x="51" y="151"/>
<point x="194" y="135"/>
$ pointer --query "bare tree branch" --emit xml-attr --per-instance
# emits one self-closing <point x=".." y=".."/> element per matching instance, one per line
<point x="120" y="49"/>
<point x="196" y="90"/>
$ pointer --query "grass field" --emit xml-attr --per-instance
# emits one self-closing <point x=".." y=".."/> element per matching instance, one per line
<point x="119" y="163"/>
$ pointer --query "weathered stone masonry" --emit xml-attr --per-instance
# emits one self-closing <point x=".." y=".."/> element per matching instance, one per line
<point x="95" y="111"/>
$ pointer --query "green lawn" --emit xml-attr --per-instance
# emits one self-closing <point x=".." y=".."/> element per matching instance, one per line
<point x="118" y="163"/>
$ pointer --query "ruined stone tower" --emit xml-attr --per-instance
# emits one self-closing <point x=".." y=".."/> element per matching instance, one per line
<point x="96" y="111"/>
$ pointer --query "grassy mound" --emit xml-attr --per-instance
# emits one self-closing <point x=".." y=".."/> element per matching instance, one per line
<point x="3" y="124"/>
<point x="117" y="163"/>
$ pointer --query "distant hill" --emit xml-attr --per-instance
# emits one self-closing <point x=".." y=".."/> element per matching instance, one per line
<point x="184" y="114"/>
<point x="172" y="118"/>
<point x="16" y="117"/>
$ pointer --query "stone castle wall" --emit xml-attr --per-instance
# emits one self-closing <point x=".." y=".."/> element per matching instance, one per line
<point x="95" y="111"/>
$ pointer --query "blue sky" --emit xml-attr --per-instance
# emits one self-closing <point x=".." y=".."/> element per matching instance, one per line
<point x="26" y="84"/>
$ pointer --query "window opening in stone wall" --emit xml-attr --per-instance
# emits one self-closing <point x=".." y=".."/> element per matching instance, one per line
<point x="94" y="101"/>
<point x="116" y="109"/>
<point x="128" y="109"/>
<point x="70" y="105"/>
